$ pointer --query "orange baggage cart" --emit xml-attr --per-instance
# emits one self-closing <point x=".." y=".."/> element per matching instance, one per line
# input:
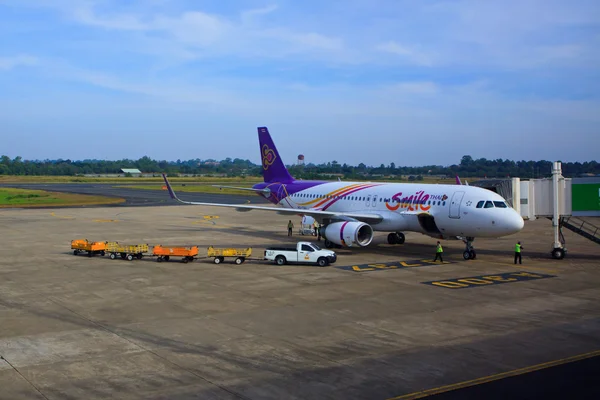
<point x="165" y="253"/>
<point x="84" y="245"/>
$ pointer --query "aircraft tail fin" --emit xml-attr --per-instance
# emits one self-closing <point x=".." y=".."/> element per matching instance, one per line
<point x="458" y="182"/>
<point x="274" y="169"/>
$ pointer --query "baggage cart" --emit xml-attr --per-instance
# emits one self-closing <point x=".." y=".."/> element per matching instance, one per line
<point x="84" y="245"/>
<point x="165" y="253"/>
<point x="220" y="254"/>
<point x="126" y="251"/>
<point x="306" y="229"/>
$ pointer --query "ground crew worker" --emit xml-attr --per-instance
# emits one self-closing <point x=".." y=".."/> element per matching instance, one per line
<point x="518" y="249"/>
<point x="438" y="252"/>
<point x="315" y="227"/>
<point x="319" y="233"/>
<point x="290" y="227"/>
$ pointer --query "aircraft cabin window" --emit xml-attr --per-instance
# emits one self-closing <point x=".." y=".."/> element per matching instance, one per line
<point x="480" y="204"/>
<point x="489" y="204"/>
<point x="500" y="204"/>
<point x="444" y="204"/>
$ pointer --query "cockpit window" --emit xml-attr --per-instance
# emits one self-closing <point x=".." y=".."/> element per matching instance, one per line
<point x="489" y="204"/>
<point x="480" y="204"/>
<point x="500" y="204"/>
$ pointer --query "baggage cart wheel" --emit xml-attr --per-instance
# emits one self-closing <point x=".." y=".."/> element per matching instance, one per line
<point x="239" y="260"/>
<point x="166" y="258"/>
<point x="159" y="259"/>
<point x="75" y="252"/>
<point x="123" y="255"/>
<point x="139" y="256"/>
<point x="102" y="253"/>
<point x="130" y="257"/>
<point x="184" y="260"/>
<point x="90" y="253"/>
<point x="113" y="256"/>
<point x="219" y="260"/>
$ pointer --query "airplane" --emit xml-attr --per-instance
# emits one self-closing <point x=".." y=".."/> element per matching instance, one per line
<point x="350" y="212"/>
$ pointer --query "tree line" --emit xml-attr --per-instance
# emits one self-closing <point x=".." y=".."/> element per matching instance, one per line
<point x="467" y="168"/>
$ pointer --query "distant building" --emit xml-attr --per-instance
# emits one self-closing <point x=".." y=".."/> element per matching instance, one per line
<point x="132" y="171"/>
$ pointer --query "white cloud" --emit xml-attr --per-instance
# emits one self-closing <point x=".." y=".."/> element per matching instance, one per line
<point x="8" y="63"/>
<point x="409" y="54"/>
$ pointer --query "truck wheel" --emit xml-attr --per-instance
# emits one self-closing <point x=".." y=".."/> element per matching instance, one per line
<point x="113" y="256"/>
<point x="322" y="261"/>
<point x="280" y="260"/>
<point x="239" y="260"/>
<point x="218" y="260"/>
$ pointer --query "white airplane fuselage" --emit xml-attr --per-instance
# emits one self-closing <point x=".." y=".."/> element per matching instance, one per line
<point x="408" y="206"/>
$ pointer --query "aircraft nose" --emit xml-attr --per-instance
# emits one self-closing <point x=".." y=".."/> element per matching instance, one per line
<point x="515" y="223"/>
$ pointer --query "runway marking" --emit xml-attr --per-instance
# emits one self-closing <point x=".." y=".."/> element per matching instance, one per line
<point x="61" y="216"/>
<point x="392" y="265"/>
<point x="485" y="280"/>
<point x="495" y="377"/>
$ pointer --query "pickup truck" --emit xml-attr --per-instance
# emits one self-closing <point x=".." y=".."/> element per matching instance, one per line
<point x="303" y="253"/>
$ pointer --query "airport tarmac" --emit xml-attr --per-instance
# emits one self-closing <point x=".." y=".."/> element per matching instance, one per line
<point x="383" y="322"/>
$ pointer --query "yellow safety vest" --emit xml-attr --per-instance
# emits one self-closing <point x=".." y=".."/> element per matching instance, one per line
<point x="517" y="248"/>
<point x="439" y="248"/>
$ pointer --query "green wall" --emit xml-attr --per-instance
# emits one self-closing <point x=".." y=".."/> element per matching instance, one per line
<point x="586" y="197"/>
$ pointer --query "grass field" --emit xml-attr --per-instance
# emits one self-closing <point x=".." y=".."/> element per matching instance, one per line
<point x="79" y="179"/>
<point x="179" y="187"/>
<point x="40" y="198"/>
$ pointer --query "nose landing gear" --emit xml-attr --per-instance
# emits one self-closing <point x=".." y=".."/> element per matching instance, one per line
<point x="469" y="253"/>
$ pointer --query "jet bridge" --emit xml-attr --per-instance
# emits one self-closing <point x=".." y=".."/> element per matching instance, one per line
<point x="563" y="200"/>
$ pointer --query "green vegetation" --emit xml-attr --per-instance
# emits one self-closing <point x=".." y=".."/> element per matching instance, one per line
<point x="39" y="198"/>
<point x="237" y="169"/>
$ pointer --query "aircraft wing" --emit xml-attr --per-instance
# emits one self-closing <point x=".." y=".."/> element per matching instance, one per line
<point x="369" y="218"/>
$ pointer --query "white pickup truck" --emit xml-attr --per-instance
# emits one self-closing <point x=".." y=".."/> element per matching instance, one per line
<point x="303" y="253"/>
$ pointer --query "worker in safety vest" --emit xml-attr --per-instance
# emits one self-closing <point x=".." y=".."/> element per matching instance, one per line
<point x="290" y="227"/>
<point x="438" y="252"/>
<point x="518" y="249"/>
<point x="315" y="227"/>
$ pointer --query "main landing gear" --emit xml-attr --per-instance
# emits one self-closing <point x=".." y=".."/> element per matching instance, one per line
<point x="396" y="238"/>
<point x="469" y="253"/>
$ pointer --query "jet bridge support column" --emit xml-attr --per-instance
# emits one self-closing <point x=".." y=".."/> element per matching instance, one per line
<point x="558" y="251"/>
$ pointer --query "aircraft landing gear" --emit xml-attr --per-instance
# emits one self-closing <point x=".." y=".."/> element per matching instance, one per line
<point x="396" y="238"/>
<point x="469" y="253"/>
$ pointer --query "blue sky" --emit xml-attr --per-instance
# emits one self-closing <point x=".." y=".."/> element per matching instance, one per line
<point x="374" y="81"/>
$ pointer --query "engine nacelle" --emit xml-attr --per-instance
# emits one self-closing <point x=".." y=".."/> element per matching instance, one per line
<point x="349" y="233"/>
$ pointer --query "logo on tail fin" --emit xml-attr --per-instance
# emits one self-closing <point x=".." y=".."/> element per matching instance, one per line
<point x="268" y="157"/>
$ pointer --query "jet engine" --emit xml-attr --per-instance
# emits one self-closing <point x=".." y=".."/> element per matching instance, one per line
<point x="349" y="233"/>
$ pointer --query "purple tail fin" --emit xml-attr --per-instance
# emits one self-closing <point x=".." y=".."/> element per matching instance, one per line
<point x="273" y="168"/>
<point x="458" y="182"/>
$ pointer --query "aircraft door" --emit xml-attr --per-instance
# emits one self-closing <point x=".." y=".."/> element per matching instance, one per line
<point x="455" y="204"/>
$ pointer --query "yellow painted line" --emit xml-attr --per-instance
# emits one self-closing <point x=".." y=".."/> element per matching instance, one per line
<point x="106" y="220"/>
<point x="495" y="377"/>
<point x="61" y="216"/>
